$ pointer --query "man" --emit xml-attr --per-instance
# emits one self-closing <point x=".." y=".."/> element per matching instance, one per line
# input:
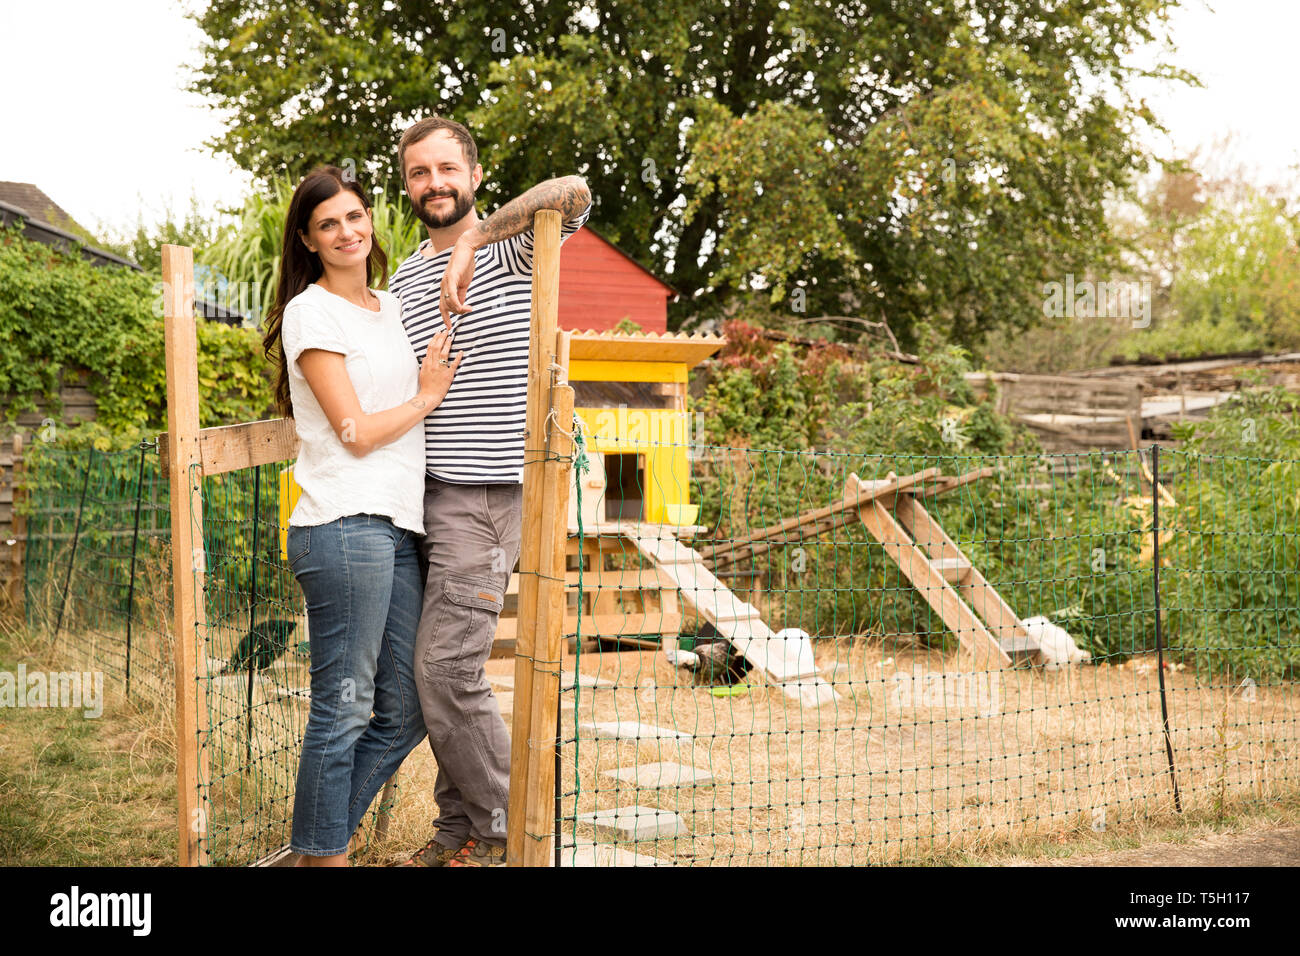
<point x="475" y="276"/>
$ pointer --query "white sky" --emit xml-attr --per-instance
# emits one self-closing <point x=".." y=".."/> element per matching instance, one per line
<point x="93" y="112"/>
<point x="1243" y="51"/>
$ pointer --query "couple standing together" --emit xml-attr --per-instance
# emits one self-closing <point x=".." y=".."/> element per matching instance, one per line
<point x="408" y="526"/>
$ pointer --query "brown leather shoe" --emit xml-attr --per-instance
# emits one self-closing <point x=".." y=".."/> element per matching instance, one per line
<point x="432" y="853"/>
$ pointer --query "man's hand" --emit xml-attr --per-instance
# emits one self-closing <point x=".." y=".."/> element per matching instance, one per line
<point x="456" y="279"/>
<point x="568" y="194"/>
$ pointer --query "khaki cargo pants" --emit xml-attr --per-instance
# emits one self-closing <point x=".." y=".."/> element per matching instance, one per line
<point x="470" y="547"/>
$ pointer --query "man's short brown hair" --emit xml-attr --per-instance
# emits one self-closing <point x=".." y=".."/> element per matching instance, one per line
<point x="425" y="127"/>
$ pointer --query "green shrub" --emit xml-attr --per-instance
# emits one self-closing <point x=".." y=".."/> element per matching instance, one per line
<point x="61" y="313"/>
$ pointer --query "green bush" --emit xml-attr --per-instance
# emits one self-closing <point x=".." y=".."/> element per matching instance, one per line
<point x="1072" y="544"/>
<point x="1233" y="578"/>
<point x="61" y="313"/>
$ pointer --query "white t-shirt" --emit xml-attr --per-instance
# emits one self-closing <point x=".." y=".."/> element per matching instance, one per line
<point x="377" y="354"/>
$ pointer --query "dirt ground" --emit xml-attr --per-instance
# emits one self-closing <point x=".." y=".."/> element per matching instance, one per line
<point x="1271" y="848"/>
<point x="914" y="763"/>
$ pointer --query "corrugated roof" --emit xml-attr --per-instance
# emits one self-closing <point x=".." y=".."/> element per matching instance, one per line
<point x="608" y="346"/>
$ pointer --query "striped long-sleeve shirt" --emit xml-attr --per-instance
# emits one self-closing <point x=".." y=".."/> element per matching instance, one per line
<point x="476" y="436"/>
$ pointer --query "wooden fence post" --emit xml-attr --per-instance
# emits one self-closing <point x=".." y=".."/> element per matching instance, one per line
<point x="181" y="346"/>
<point x="538" y="646"/>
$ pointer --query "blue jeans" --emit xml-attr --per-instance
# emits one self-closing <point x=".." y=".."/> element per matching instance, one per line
<point x="361" y="579"/>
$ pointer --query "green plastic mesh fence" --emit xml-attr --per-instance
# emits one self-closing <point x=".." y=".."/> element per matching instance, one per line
<point x="100" y="585"/>
<point x="804" y="666"/>
<point x="790" y="679"/>
<point x="254" y="664"/>
<point x="98" y="564"/>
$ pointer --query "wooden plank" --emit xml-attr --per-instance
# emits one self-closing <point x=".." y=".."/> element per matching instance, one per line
<point x="232" y="447"/>
<point x="804" y="525"/>
<point x="601" y="625"/>
<point x="1002" y="622"/>
<point x="181" y="349"/>
<point x="952" y="610"/>
<point x="529" y="564"/>
<point x="947" y="484"/>
<point x="627" y="580"/>
<point x="537" y="776"/>
<point x="952" y="569"/>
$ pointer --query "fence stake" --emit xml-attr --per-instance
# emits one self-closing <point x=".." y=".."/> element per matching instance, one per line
<point x="18" y="576"/>
<point x="1160" y="654"/>
<point x="130" y="582"/>
<point x="188" y="565"/>
<point x="252" y="610"/>
<point x="76" y="535"/>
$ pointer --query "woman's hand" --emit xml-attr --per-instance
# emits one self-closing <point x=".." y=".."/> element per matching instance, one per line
<point x="438" y="369"/>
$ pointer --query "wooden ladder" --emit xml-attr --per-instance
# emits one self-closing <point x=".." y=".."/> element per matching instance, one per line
<point x="942" y="574"/>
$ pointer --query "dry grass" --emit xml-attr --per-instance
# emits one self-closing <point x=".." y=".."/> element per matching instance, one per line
<point x="1068" y="756"/>
<point x="83" y="791"/>
<point x="1051" y="763"/>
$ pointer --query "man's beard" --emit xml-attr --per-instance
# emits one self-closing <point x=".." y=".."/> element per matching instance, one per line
<point x="462" y="204"/>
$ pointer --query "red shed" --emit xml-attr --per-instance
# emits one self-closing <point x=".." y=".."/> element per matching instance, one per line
<point x="601" y="284"/>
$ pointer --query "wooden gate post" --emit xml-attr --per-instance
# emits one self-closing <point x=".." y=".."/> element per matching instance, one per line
<point x="188" y="566"/>
<point x="530" y="816"/>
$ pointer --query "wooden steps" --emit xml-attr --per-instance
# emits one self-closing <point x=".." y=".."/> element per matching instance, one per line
<point x="989" y="631"/>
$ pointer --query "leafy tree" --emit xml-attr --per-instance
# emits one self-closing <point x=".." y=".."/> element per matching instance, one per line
<point x="878" y="156"/>
<point x="1223" y="260"/>
<point x="248" y="254"/>
<point x="197" y="228"/>
<point x="60" y="312"/>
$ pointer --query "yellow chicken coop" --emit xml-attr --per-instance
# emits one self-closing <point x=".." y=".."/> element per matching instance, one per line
<point x="631" y="393"/>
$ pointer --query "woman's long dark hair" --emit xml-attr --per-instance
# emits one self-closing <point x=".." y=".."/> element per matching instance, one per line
<point x="300" y="267"/>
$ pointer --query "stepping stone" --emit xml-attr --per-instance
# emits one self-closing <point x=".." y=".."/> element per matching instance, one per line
<point x="585" y="853"/>
<point x="657" y="775"/>
<point x="629" y="730"/>
<point x="636" y="823"/>
<point x="584" y="680"/>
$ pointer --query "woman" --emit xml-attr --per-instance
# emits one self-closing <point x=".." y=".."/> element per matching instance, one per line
<point x="348" y="378"/>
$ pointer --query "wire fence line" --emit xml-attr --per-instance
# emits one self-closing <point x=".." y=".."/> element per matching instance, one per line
<point x="785" y="678"/>
<point x="98" y="582"/>
<point x="97" y="572"/>
<point x="1160" y="593"/>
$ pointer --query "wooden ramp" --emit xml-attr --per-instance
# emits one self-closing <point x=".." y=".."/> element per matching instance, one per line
<point x="787" y="663"/>
<point x="990" y="633"/>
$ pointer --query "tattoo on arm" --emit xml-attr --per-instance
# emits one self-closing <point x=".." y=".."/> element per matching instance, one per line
<point x="418" y="403"/>
<point x="568" y="194"/>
